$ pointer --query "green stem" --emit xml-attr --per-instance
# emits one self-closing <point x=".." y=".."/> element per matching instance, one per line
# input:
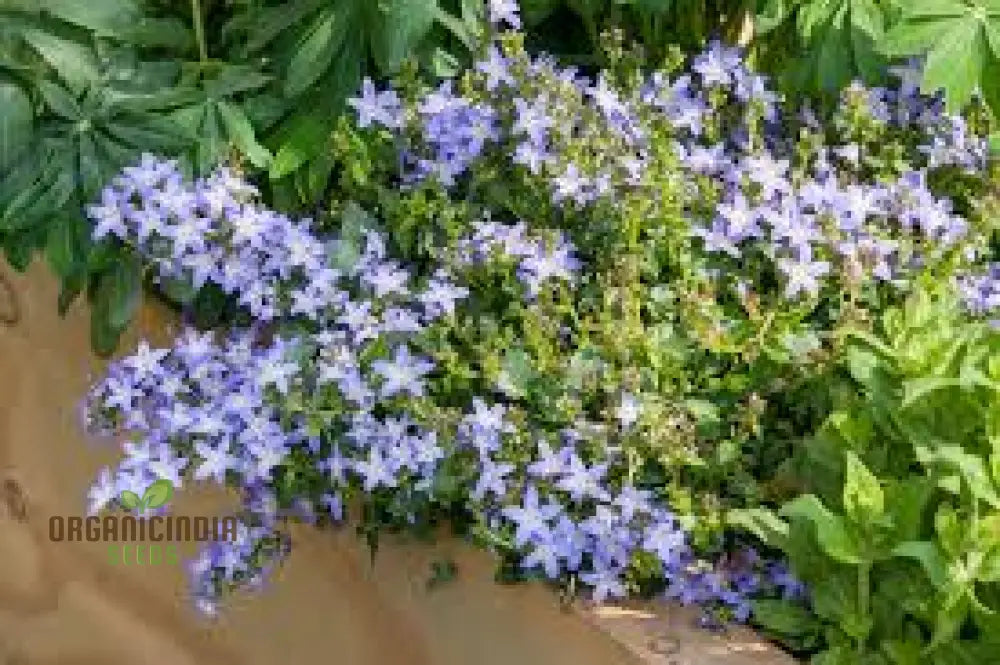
<point x="199" y="31"/>
<point x="864" y="599"/>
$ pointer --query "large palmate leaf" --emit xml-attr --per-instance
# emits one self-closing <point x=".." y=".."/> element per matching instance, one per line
<point x="207" y="110"/>
<point x="961" y="41"/>
<point x="841" y="38"/>
<point x="81" y="142"/>
<point x="326" y="45"/>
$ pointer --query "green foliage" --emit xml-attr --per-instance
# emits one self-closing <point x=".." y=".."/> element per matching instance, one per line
<point x="85" y="88"/>
<point x="903" y="560"/>
<point x="838" y="40"/>
<point x="961" y="41"/>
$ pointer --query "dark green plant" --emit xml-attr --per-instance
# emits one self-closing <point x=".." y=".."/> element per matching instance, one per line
<point x="85" y="88"/>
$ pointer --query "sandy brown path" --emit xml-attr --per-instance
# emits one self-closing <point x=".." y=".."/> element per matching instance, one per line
<point x="65" y="604"/>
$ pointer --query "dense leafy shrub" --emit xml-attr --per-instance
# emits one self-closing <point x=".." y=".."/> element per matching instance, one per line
<point x="903" y="562"/>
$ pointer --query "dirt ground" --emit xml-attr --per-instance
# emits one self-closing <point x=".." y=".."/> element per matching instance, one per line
<point x="64" y="604"/>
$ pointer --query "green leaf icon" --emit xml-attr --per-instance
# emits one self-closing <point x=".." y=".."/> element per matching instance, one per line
<point x="158" y="494"/>
<point x="129" y="500"/>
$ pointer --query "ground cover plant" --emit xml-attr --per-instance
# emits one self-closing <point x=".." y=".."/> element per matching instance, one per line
<point x="651" y="331"/>
<point x="646" y="324"/>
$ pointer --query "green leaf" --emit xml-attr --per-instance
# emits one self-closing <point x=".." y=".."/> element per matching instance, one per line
<point x="234" y="79"/>
<point x="867" y="31"/>
<point x="763" y="523"/>
<point x="955" y="64"/>
<point x="314" y="54"/>
<point x="831" y="532"/>
<point x="151" y="32"/>
<point x="971" y="467"/>
<point x="836" y="656"/>
<point x="906" y="501"/>
<point x="17" y="122"/>
<point x="864" y="501"/>
<point x="517" y="372"/>
<point x="66" y="248"/>
<point x="105" y="18"/>
<point x="915" y="390"/>
<point x="950" y="617"/>
<point x="119" y="292"/>
<point x="60" y="101"/>
<point x="930" y="558"/>
<point x="242" y="133"/>
<point x="129" y="500"/>
<point x="158" y="494"/>
<point x="264" y="24"/>
<point x="178" y="290"/>
<point x="833" y="57"/>
<point x="73" y="62"/>
<point x="935" y="9"/>
<point x="456" y="26"/>
<point x="71" y="287"/>
<point x="990" y="85"/>
<point x="305" y="135"/>
<point x="784" y="618"/>
<point x="400" y="26"/>
<point x="833" y="596"/>
<point x="912" y="38"/>
<point x="772" y="13"/>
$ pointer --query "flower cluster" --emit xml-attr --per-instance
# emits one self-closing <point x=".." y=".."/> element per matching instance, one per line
<point x="559" y="358"/>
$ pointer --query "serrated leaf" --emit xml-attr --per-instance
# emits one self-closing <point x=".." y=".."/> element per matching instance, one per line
<point x="400" y="26"/>
<point x="242" y="133"/>
<point x="104" y="17"/>
<point x="313" y="56"/>
<point x="955" y="63"/>
<point x="908" y="38"/>
<point x="234" y="79"/>
<point x="60" y="101"/>
<point x="305" y="135"/>
<point x="73" y="62"/>
<point x="17" y="122"/>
